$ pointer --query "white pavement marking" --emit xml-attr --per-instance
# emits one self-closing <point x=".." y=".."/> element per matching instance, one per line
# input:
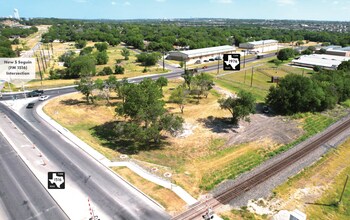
<point x="72" y="200"/>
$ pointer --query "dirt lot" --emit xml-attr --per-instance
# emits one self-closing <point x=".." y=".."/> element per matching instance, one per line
<point x="262" y="126"/>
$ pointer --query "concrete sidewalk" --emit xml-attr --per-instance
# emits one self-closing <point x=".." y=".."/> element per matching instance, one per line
<point x="72" y="200"/>
<point x="106" y="162"/>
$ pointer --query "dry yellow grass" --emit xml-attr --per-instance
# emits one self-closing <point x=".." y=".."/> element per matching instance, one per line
<point x="165" y="197"/>
<point x="310" y="185"/>
<point x="190" y="158"/>
<point x="80" y="118"/>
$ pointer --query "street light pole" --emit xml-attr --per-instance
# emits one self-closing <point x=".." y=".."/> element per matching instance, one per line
<point x="163" y="60"/>
<point x="244" y="58"/>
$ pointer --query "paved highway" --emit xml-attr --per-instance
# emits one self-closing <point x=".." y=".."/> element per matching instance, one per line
<point x="21" y="194"/>
<point x="176" y="72"/>
<point x="116" y="198"/>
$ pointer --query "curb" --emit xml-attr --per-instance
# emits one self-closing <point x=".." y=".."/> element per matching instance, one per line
<point x="64" y="132"/>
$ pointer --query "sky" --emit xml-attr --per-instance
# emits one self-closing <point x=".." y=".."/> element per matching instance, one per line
<point x="334" y="10"/>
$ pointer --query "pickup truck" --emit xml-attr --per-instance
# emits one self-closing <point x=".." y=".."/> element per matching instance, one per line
<point x="35" y="93"/>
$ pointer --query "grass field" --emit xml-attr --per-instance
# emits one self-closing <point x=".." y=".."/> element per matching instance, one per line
<point x="198" y="162"/>
<point x="321" y="184"/>
<point x="168" y="199"/>
<point x="255" y="77"/>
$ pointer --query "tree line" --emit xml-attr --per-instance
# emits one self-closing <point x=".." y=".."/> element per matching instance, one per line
<point x="323" y="90"/>
<point x="162" y="37"/>
<point x="84" y="63"/>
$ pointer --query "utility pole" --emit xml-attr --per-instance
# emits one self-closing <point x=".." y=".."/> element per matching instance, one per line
<point x="41" y="74"/>
<point x="48" y="51"/>
<point x="218" y="66"/>
<point x="51" y="48"/>
<point x="251" y="79"/>
<point x="163" y="60"/>
<point x="244" y="58"/>
<point x="245" y="75"/>
<point x="346" y="182"/>
<point x="42" y="60"/>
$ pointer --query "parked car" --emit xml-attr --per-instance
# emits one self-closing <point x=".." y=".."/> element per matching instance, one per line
<point x="211" y="59"/>
<point x="43" y="97"/>
<point x="30" y="105"/>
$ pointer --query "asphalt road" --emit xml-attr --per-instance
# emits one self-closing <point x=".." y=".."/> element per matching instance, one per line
<point x="115" y="197"/>
<point x="111" y="194"/>
<point x="175" y="72"/>
<point x="21" y="195"/>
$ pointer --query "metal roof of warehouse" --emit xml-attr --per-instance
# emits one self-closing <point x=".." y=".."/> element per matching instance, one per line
<point x="208" y="51"/>
<point x="321" y="60"/>
<point x="261" y="42"/>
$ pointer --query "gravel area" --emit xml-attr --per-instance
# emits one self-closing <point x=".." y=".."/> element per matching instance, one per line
<point x="265" y="189"/>
<point x="279" y="129"/>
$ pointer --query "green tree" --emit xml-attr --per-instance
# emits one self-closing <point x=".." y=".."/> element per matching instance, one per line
<point x="203" y="82"/>
<point x="119" y="69"/>
<point x="148" y="59"/>
<point x="79" y="44"/>
<point x="86" y="86"/>
<point x="86" y="51"/>
<point x="307" y="52"/>
<point x="101" y="58"/>
<point x="106" y="71"/>
<point x="82" y="66"/>
<point x="144" y="106"/>
<point x="188" y="76"/>
<point x="162" y="81"/>
<point x="125" y="53"/>
<point x="101" y="46"/>
<point x="345" y="65"/>
<point x="295" y="93"/>
<point x="285" y="54"/>
<point x="179" y="96"/>
<point x="323" y="51"/>
<point x="240" y="107"/>
<point x="317" y="68"/>
<point x="7" y="52"/>
<point x="67" y="58"/>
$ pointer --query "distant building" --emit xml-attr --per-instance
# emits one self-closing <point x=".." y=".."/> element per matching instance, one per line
<point x="16" y="14"/>
<point x="260" y="46"/>
<point x="201" y="55"/>
<point x="336" y="50"/>
<point x="322" y="60"/>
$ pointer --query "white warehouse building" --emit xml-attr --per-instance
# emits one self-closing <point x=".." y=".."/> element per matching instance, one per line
<point x="201" y="55"/>
<point x="325" y="61"/>
<point x="260" y="46"/>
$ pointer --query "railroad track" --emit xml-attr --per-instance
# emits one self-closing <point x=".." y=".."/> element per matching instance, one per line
<point x="200" y="208"/>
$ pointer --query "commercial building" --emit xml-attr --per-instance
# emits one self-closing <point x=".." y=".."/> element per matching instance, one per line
<point x="201" y="55"/>
<point x="322" y="60"/>
<point x="343" y="51"/>
<point x="260" y="46"/>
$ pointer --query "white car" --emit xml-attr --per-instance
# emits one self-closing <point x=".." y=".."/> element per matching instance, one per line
<point x="43" y="97"/>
